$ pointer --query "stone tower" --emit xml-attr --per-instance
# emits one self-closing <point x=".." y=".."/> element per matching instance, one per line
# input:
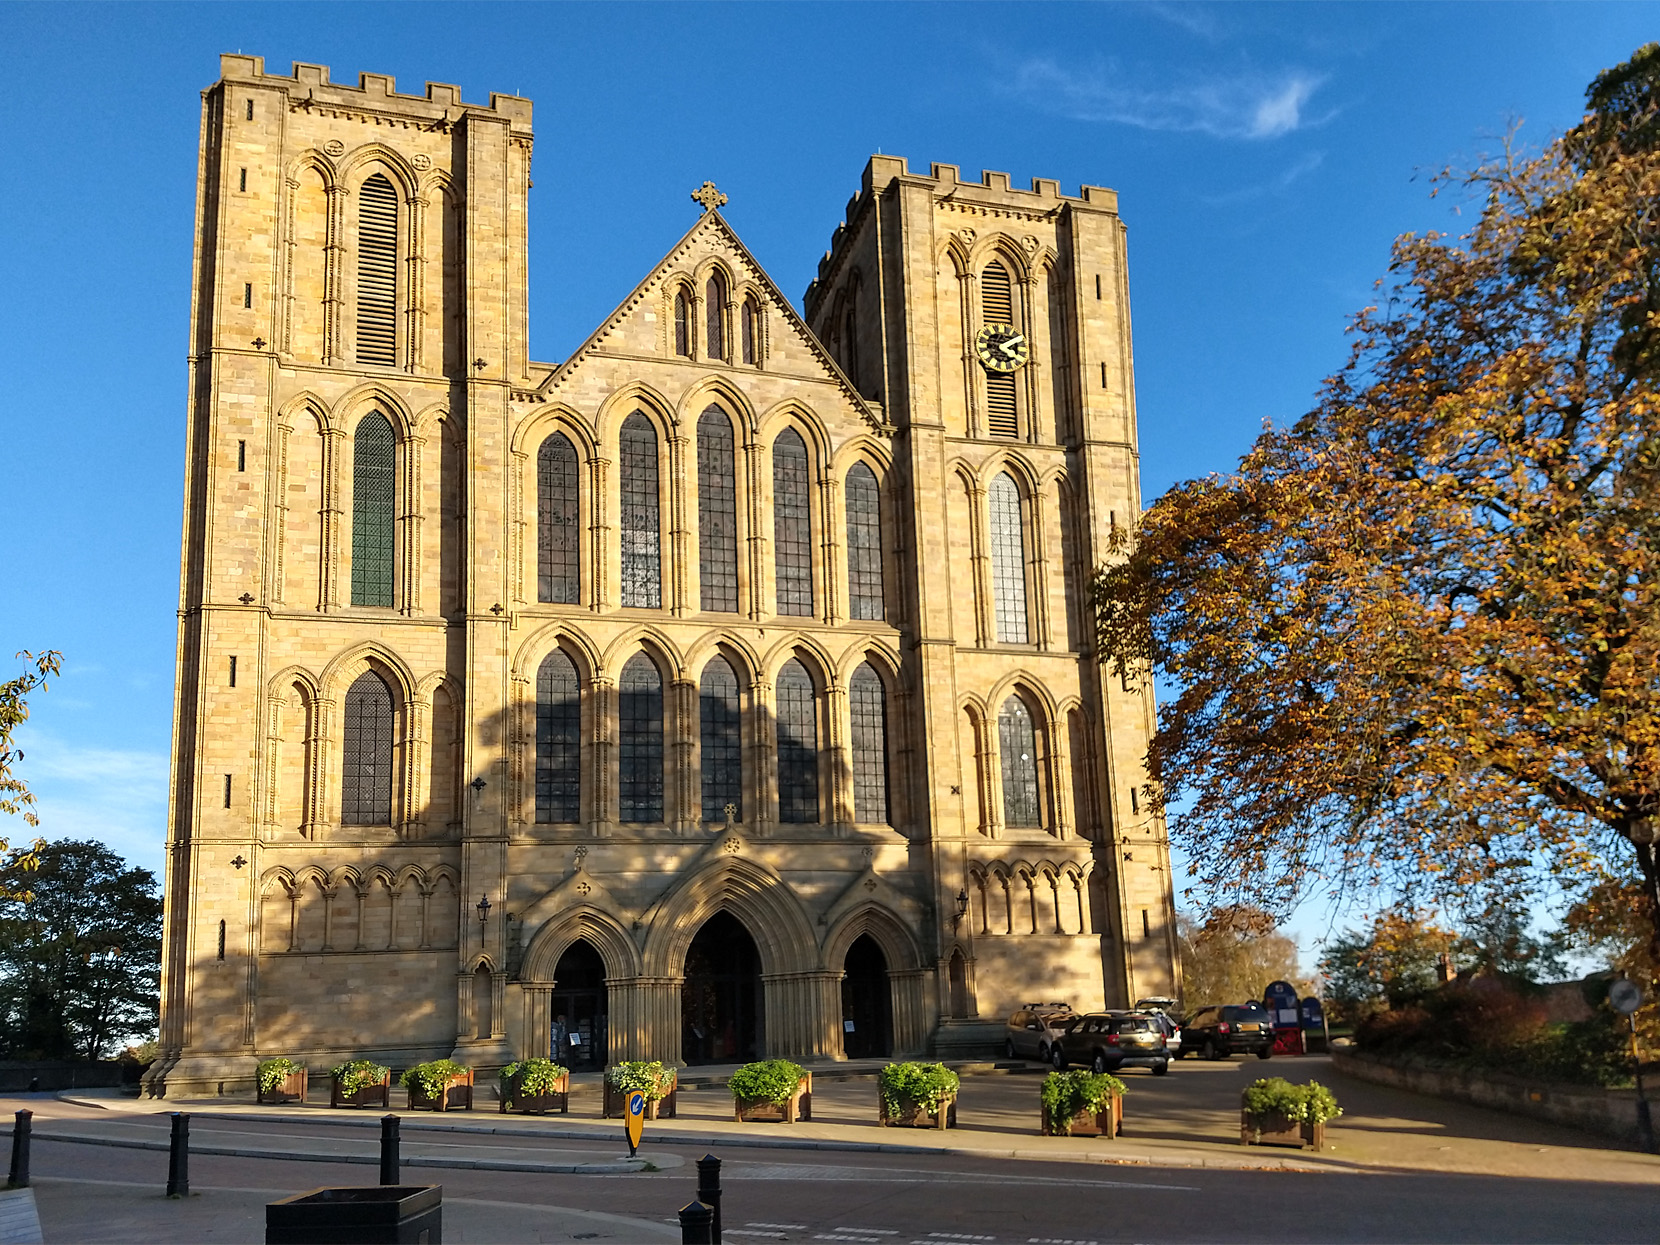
<point x="687" y="699"/>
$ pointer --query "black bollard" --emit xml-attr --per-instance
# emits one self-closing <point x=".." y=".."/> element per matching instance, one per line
<point x="389" y="1149"/>
<point x="178" y="1157"/>
<point x="19" y="1178"/>
<point x="708" y="1192"/>
<point x="696" y="1224"/>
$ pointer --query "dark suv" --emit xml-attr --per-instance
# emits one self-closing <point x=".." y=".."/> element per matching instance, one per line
<point x="1217" y="1032"/>
<point x="1107" y="1041"/>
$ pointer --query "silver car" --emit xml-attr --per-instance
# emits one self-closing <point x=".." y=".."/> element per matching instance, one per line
<point x="1033" y="1030"/>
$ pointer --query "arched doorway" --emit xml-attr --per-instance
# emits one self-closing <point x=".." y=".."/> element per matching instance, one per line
<point x="576" y="1033"/>
<point x="720" y="999"/>
<point x="867" y="1002"/>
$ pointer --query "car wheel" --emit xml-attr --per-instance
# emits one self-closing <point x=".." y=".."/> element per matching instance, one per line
<point x="1213" y="1051"/>
<point x="1058" y="1058"/>
<point x="1099" y="1065"/>
<point x="1043" y="1052"/>
<point x="1008" y="1048"/>
<point x="1160" y="1069"/>
<point x="1265" y="1053"/>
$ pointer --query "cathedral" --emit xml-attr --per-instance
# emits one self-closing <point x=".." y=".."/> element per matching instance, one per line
<point x="723" y="691"/>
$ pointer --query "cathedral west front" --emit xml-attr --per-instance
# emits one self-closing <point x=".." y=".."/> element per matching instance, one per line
<point x="722" y="691"/>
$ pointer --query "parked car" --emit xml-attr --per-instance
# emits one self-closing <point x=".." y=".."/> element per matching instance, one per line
<point x="1159" y="1003"/>
<point x="1168" y="1023"/>
<point x="1107" y="1041"/>
<point x="1033" y="1029"/>
<point x="1229" y="1029"/>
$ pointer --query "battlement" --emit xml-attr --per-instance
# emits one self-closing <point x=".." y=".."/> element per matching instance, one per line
<point x="992" y="192"/>
<point x="374" y="93"/>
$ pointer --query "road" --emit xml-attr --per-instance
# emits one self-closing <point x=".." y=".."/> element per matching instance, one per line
<point x="1508" y="1180"/>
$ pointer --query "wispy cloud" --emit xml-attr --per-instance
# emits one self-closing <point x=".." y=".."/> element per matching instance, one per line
<point x="1247" y="105"/>
<point x="1274" y="186"/>
<point x="117" y="796"/>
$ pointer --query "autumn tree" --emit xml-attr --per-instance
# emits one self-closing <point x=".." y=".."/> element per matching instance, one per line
<point x="1414" y="639"/>
<point x="15" y="796"/>
<point x="1231" y="956"/>
<point x="1392" y="962"/>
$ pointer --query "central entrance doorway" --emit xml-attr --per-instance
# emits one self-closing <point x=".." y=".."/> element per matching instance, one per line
<point x="867" y="1004"/>
<point x="577" y="1037"/>
<point x="720" y="999"/>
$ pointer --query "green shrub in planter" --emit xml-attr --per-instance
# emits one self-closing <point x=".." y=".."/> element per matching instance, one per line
<point x="1067" y="1095"/>
<point x="1301" y="1104"/>
<point x="432" y="1079"/>
<point x="652" y="1079"/>
<point x="536" y="1077"/>
<point x="273" y="1072"/>
<point x="771" y="1080"/>
<point x="927" y="1086"/>
<point x="358" y="1074"/>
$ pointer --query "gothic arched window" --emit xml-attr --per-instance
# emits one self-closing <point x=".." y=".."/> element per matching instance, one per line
<point x="377" y="271"/>
<point x="721" y="743"/>
<point x="864" y="544"/>
<point x="640" y="741"/>
<point x="682" y="324"/>
<point x="558" y="740"/>
<point x="792" y="526"/>
<point x="558" y="534"/>
<point x="717" y="513"/>
<point x="1008" y="559"/>
<point x="714" y="299"/>
<point x="797" y="745"/>
<point x="374" y="495"/>
<point x="1017" y="743"/>
<point x="747" y="325"/>
<point x="867" y="705"/>
<point x="366" y="767"/>
<point x="642" y="559"/>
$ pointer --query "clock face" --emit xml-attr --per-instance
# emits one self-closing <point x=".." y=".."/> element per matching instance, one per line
<point x="1000" y="347"/>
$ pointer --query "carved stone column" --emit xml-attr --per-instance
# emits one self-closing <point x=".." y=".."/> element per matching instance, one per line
<point x="409" y="568"/>
<point x="681" y="552"/>
<point x="415" y="285"/>
<point x="333" y="520"/>
<point x="763" y="736"/>
<point x="603" y="698"/>
<point x="599" y="534"/>
<point x="979" y="557"/>
<point x="334" y="267"/>
<point x="682" y="744"/>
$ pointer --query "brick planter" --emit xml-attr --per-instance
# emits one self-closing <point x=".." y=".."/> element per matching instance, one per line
<point x="1276" y="1130"/>
<point x="369" y="1096"/>
<point x="798" y="1106"/>
<point x="457" y="1095"/>
<point x="911" y="1115"/>
<point x="292" y="1089"/>
<point x="1108" y="1122"/>
<point x="616" y="1103"/>
<point x="537" y="1104"/>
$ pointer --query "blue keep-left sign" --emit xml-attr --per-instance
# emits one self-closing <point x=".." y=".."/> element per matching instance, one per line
<point x="636" y="1121"/>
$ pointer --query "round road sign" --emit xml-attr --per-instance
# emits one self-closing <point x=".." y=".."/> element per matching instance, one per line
<point x="1625" y="996"/>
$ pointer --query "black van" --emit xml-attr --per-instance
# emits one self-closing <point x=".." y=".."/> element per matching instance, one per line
<point x="1217" y="1032"/>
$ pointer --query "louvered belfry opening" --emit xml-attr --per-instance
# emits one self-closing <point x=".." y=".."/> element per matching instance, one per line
<point x="377" y="272"/>
<point x="997" y="307"/>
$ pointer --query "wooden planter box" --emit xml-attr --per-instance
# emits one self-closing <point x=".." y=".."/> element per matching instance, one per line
<point x="457" y="1095"/>
<point x="537" y="1104"/>
<point x="798" y="1106"/>
<point x="1276" y="1130"/>
<point x="292" y="1089"/>
<point x="616" y="1103"/>
<point x="1108" y="1122"/>
<point x="913" y="1116"/>
<point x="369" y="1096"/>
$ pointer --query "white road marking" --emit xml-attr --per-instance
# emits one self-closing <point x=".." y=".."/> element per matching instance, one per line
<point x="757" y="1223"/>
<point x="740" y="1170"/>
<point x="958" y="1236"/>
<point x="777" y="1236"/>
<point x="869" y="1231"/>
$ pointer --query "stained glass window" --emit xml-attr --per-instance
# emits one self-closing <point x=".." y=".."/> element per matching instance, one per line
<point x="714" y="300"/>
<point x="374" y="492"/>
<point x="366" y="767"/>
<point x="867" y="705"/>
<point x="640" y="741"/>
<point x="1018" y="745"/>
<point x="558" y="740"/>
<point x="558" y="535"/>
<point x="642" y="560"/>
<point x="797" y="745"/>
<point x="1008" y="560"/>
<point x="721" y="743"/>
<point x="377" y="271"/>
<point x="792" y="527"/>
<point x="864" y="544"/>
<point x="682" y="324"/>
<point x="747" y="331"/>
<point x="717" y="513"/>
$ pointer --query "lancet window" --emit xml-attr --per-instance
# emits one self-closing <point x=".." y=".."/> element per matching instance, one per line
<point x="366" y="766"/>
<point x="717" y="513"/>
<point x="642" y="558"/>
<point x="797" y="745"/>
<point x="792" y="524"/>
<point x="719" y="733"/>
<point x="640" y="741"/>
<point x="374" y="494"/>
<point x="558" y="740"/>
<point x="558" y="531"/>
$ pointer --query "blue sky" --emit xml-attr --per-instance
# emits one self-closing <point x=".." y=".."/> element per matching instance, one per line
<point x="1265" y="156"/>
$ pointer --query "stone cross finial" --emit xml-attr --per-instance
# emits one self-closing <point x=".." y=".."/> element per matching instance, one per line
<point x="707" y="195"/>
<point x="731" y="811"/>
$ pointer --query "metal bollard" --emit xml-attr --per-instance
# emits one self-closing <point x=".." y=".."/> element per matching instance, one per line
<point x="19" y="1178"/>
<point x="178" y="1157"/>
<point x="696" y="1224"/>
<point x="708" y="1192"/>
<point x="389" y="1149"/>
